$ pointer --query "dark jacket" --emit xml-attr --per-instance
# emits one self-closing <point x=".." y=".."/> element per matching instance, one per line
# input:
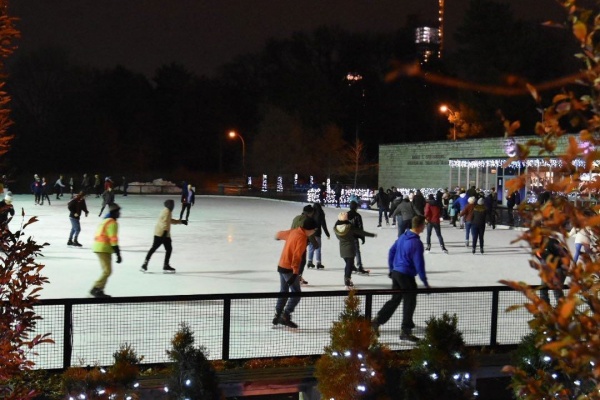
<point x="356" y="220"/>
<point x="192" y="196"/>
<point x="405" y="209"/>
<point x="76" y="206"/>
<point x="346" y="233"/>
<point x="5" y="209"/>
<point x="479" y="213"/>
<point x="382" y="200"/>
<point x="419" y="203"/>
<point x="319" y="217"/>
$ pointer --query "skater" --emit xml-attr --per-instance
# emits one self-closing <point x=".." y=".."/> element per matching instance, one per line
<point x="124" y="186"/>
<point x="76" y="206"/>
<point x="86" y="184"/>
<point x="346" y="233"/>
<point x="433" y="215"/>
<point x="491" y="203"/>
<point x="466" y="214"/>
<point x="418" y="203"/>
<point x="288" y="268"/>
<point x="162" y="236"/>
<point x="552" y="251"/>
<point x="45" y="191"/>
<point x="36" y="189"/>
<point x="405" y="261"/>
<point x="6" y="208"/>
<point x="188" y="199"/>
<point x="356" y="220"/>
<point x="315" y="251"/>
<point x="478" y="224"/>
<point x="337" y="191"/>
<point x="71" y="186"/>
<point x="307" y="212"/>
<point x="108" y="183"/>
<point x="106" y="243"/>
<point x="382" y="200"/>
<point x="59" y="187"/>
<point x="97" y="186"/>
<point x="323" y="193"/>
<point x="108" y="198"/>
<point x="405" y="213"/>
<point x="584" y="238"/>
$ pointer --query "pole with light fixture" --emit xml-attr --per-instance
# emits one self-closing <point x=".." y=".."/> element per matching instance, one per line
<point x="233" y="134"/>
<point x="445" y="109"/>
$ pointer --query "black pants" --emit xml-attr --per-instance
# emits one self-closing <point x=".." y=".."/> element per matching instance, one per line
<point x="185" y="207"/>
<point x="438" y="232"/>
<point x="558" y="286"/>
<point x="158" y="241"/>
<point x="348" y="267"/>
<point x="405" y="283"/>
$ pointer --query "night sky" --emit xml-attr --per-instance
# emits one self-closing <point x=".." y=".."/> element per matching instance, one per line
<point x="203" y="34"/>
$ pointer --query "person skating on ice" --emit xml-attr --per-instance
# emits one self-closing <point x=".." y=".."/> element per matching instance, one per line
<point x="405" y="261"/>
<point x="106" y="242"/>
<point x="162" y="236"/>
<point x="307" y="212"/>
<point x="346" y="233"/>
<point x="314" y="252"/>
<point x="188" y="199"/>
<point x="45" y="191"/>
<point x="6" y="208"/>
<point x="60" y="187"/>
<point x="288" y="268"/>
<point x="433" y="215"/>
<point x="76" y="207"/>
<point x="108" y="197"/>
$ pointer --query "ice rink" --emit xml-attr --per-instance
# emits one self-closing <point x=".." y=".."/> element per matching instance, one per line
<point x="229" y="247"/>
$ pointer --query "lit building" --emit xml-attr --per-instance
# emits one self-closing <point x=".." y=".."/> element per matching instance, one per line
<point x="427" y="39"/>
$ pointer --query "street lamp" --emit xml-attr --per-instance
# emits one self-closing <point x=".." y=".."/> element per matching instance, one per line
<point x="233" y="134"/>
<point x="445" y="109"/>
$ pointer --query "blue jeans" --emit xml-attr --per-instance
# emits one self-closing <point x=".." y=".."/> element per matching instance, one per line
<point x="316" y="252"/>
<point x="75" y="228"/>
<point x="285" y="304"/>
<point x="467" y="230"/>
<point x="384" y="212"/>
<point x="436" y="227"/>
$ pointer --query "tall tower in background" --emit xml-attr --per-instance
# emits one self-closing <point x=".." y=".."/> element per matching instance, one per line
<point x="441" y="27"/>
<point x="429" y="37"/>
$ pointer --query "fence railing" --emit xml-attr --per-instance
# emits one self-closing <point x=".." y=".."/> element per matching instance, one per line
<point x="239" y="326"/>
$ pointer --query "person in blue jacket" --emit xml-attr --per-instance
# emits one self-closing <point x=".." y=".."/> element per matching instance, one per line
<point x="405" y="261"/>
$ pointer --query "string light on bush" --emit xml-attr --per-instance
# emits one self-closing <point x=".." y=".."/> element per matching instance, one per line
<point x="188" y="382"/>
<point x="249" y="181"/>
<point x="166" y="389"/>
<point x="295" y="179"/>
<point x="312" y="180"/>
<point x="279" y="184"/>
<point x="264" y="183"/>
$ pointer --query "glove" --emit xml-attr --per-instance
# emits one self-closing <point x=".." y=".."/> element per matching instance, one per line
<point x="183" y="221"/>
<point x="390" y="275"/>
<point x="117" y="251"/>
<point x="362" y="240"/>
<point x="291" y="281"/>
<point x="86" y="214"/>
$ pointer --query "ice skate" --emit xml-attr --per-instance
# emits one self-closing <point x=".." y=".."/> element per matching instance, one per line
<point x="287" y="321"/>
<point x="348" y="283"/>
<point x="354" y="269"/>
<point x="302" y="280"/>
<point x="98" y="293"/>
<point x="362" y="271"/>
<point x="70" y="243"/>
<point x="428" y="248"/>
<point x="167" y="269"/>
<point x="76" y="243"/>
<point x="276" y="319"/>
<point x="144" y="267"/>
<point x="310" y="265"/>
<point x="409" y="337"/>
<point x="320" y="266"/>
<point x="445" y="250"/>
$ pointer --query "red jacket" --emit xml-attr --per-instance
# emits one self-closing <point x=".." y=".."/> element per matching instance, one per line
<point x="432" y="213"/>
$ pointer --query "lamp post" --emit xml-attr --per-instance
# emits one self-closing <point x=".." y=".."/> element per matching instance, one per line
<point x="445" y="109"/>
<point x="233" y="134"/>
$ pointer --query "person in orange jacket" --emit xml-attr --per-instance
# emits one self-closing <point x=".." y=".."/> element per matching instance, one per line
<point x="289" y="268"/>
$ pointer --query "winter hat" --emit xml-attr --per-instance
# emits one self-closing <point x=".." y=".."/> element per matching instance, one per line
<point x="343" y="216"/>
<point x="480" y="202"/>
<point x="113" y="207"/>
<point x="170" y="204"/>
<point x="471" y="200"/>
<point x="309" y="224"/>
<point x="8" y="199"/>
<point x="308" y="209"/>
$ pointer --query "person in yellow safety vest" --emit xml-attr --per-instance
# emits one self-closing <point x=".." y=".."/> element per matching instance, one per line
<point x="106" y="242"/>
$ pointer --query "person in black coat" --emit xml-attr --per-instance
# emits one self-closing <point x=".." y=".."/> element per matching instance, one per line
<point x="314" y="252"/>
<point x="6" y="208"/>
<point x="382" y="200"/>
<point x="419" y="202"/>
<point x="188" y="199"/>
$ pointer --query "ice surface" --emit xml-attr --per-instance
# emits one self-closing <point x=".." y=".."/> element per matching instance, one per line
<point x="229" y="247"/>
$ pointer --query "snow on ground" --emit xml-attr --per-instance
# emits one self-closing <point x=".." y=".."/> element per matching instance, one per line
<point x="229" y="247"/>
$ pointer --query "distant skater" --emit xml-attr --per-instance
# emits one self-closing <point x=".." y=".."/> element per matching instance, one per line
<point x="108" y="198"/>
<point x="188" y="199"/>
<point x="76" y="207"/>
<point x="162" y="236"/>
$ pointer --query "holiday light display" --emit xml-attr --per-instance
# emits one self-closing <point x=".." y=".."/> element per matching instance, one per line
<point x="264" y="184"/>
<point x="279" y="184"/>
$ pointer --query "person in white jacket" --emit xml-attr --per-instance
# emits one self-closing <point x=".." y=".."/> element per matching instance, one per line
<point x="582" y="239"/>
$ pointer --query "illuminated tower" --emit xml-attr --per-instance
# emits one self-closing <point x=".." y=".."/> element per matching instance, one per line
<point x="441" y="27"/>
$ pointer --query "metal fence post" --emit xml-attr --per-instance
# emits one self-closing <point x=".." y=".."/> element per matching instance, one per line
<point x="226" y="327"/>
<point x="368" y="306"/>
<point x="67" y="335"/>
<point x="495" y="313"/>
